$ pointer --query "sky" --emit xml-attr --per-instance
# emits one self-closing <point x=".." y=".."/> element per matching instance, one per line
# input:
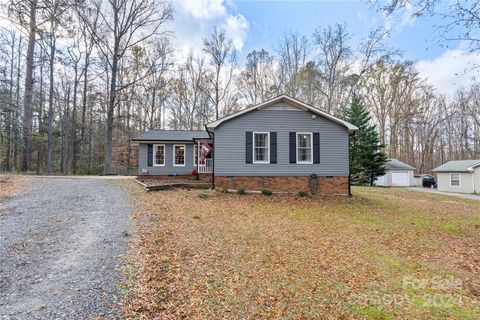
<point x="260" y="25"/>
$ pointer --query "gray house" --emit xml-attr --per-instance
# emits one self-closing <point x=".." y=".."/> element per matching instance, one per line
<point x="461" y="176"/>
<point x="283" y="145"/>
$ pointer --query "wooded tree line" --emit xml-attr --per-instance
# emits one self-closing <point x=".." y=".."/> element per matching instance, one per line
<point x="79" y="78"/>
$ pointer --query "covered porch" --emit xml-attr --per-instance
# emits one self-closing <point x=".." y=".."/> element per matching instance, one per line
<point x="203" y="164"/>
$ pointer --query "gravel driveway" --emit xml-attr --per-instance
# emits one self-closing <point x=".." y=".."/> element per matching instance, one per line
<point x="60" y="245"/>
<point x="467" y="196"/>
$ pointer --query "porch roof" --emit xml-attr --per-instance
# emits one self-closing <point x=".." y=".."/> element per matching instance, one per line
<point x="172" y="135"/>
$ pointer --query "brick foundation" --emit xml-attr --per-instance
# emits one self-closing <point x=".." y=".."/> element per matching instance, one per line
<point x="326" y="185"/>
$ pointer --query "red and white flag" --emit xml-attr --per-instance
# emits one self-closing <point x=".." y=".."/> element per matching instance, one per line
<point x="205" y="149"/>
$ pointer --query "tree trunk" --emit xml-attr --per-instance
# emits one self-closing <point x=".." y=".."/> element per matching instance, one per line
<point x="27" y="101"/>
<point x="111" y="108"/>
<point x="50" y="106"/>
<point x="73" y="134"/>
<point x="11" y="113"/>
<point x="16" y="133"/>
<point x="40" y="120"/>
<point x="84" y="110"/>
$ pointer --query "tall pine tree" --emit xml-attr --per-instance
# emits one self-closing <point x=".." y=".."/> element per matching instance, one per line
<point x="367" y="161"/>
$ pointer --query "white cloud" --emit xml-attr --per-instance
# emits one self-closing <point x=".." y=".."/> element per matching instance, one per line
<point x="204" y="9"/>
<point x="450" y="71"/>
<point x="397" y="21"/>
<point x="194" y="20"/>
<point x="236" y="28"/>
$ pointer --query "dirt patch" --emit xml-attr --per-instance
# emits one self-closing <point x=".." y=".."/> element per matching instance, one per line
<point x="11" y="185"/>
<point x="381" y="254"/>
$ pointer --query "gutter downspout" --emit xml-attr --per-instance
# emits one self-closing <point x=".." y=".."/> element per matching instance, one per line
<point x="198" y="157"/>
<point x="473" y="180"/>
<point x="349" y="166"/>
<point x="212" y="135"/>
<point x="213" y="162"/>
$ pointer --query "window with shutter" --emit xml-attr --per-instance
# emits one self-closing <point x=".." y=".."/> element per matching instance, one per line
<point x="273" y="147"/>
<point x="261" y="147"/>
<point x="293" y="147"/>
<point x="316" y="147"/>
<point x="248" y="147"/>
<point x="304" y="147"/>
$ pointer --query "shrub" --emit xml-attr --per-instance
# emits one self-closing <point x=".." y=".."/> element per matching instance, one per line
<point x="303" y="194"/>
<point x="204" y="195"/>
<point x="267" y="192"/>
<point x="241" y="191"/>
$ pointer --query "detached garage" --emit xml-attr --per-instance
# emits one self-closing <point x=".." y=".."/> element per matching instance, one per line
<point x="399" y="174"/>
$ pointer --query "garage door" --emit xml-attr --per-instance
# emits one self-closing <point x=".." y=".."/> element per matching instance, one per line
<point x="400" y="179"/>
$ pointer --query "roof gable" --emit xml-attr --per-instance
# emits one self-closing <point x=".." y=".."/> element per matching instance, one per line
<point x="458" y="166"/>
<point x="291" y="102"/>
<point x="393" y="164"/>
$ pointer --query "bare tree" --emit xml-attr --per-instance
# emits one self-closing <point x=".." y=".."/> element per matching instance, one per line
<point x="256" y="81"/>
<point x="123" y="25"/>
<point x="291" y="52"/>
<point x="334" y="62"/>
<point x="222" y="57"/>
<point x="460" y="16"/>
<point x="26" y="13"/>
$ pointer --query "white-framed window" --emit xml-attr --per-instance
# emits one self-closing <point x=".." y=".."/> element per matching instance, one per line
<point x="178" y="155"/>
<point x="454" y="180"/>
<point x="195" y="154"/>
<point x="158" y="155"/>
<point x="261" y="147"/>
<point x="305" y="147"/>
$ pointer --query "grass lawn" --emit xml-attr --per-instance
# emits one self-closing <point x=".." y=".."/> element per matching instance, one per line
<point x="381" y="254"/>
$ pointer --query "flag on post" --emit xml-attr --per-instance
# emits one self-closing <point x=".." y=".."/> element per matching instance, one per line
<point x="205" y="149"/>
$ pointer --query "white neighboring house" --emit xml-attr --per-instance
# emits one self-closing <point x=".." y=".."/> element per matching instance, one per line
<point x="399" y="174"/>
<point x="461" y="176"/>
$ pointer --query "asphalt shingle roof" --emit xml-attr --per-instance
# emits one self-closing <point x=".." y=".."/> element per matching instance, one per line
<point x="394" y="164"/>
<point x="457" y="165"/>
<point x="172" y="135"/>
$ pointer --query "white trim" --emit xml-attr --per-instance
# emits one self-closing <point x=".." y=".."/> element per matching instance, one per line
<point x="473" y="181"/>
<point x="195" y="145"/>
<point x="289" y="100"/>
<point x="155" y="146"/>
<point x="459" y="180"/>
<point x="268" y="148"/>
<point x="184" y="155"/>
<point x="311" y="147"/>
<point x="472" y="168"/>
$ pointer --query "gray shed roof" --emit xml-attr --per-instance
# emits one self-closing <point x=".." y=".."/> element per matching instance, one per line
<point x="172" y="135"/>
<point x="457" y="166"/>
<point x="394" y="164"/>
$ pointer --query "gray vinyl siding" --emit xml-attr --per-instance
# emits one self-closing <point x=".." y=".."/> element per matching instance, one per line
<point x="168" y="169"/>
<point x="466" y="182"/>
<point x="230" y="144"/>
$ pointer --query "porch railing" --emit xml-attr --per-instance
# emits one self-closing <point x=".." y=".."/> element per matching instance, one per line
<point x="206" y="167"/>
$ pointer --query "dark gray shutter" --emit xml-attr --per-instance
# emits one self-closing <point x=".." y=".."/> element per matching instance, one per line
<point x="150" y="155"/>
<point x="293" y="147"/>
<point x="248" y="147"/>
<point x="273" y="147"/>
<point x="316" y="147"/>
